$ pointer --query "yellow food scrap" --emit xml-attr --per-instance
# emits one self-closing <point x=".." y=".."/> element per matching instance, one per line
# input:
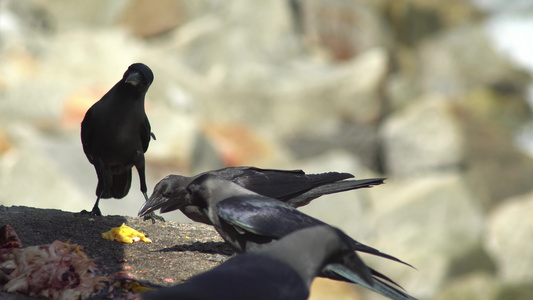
<point x="137" y="287"/>
<point x="125" y="234"/>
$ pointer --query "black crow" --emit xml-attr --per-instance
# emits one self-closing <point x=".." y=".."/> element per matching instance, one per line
<point x="248" y="221"/>
<point x="115" y="134"/>
<point x="281" y="270"/>
<point x="291" y="186"/>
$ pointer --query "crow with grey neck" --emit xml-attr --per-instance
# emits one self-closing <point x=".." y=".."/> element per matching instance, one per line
<point x="293" y="187"/>
<point x="248" y="221"/>
<point x="115" y="134"/>
<point x="281" y="270"/>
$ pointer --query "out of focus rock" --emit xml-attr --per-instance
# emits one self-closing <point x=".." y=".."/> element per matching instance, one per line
<point x="231" y="46"/>
<point x="429" y="222"/>
<point x="342" y="29"/>
<point x="508" y="239"/>
<point x="146" y="18"/>
<point x="475" y="260"/>
<point x="414" y="20"/>
<point x="516" y="292"/>
<point x="447" y="66"/>
<point x="69" y="15"/>
<point x="400" y="90"/>
<point x="350" y="92"/>
<point x="24" y="19"/>
<point x="70" y="61"/>
<point x="20" y="64"/>
<point x="239" y="144"/>
<point x="5" y="142"/>
<point x="204" y="156"/>
<point x="422" y="138"/>
<point x="77" y="104"/>
<point x="361" y="140"/>
<point x="316" y="101"/>
<point x="494" y="167"/>
<point x="29" y="177"/>
<point x="477" y="286"/>
<point x="348" y="210"/>
<point x="503" y="105"/>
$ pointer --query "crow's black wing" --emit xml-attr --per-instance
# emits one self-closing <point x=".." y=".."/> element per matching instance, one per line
<point x="378" y="285"/>
<point x="278" y="184"/>
<point x="145" y="133"/>
<point x="275" y="219"/>
<point x="263" y="216"/>
<point x="301" y="199"/>
<point x="86" y="134"/>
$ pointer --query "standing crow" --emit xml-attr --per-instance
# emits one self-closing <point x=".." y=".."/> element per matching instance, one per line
<point x="281" y="270"/>
<point x="291" y="186"/>
<point x="115" y="134"/>
<point x="248" y="221"/>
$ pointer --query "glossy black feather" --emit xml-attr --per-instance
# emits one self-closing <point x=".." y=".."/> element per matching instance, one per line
<point x="281" y="270"/>
<point x="269" y="217"/>
<point x="294" y="187"/>
<point x="115" y="134"/>
<point x="248" y="221"/>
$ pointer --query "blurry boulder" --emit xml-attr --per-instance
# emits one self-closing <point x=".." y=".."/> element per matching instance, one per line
<point x="476" y="286"/>
<point x="5" y="142"/>
<point x="145" y="18"/>
<point x="340" y="29"/>
<point x="30" y="19"/>
<point x="494" y="167"/>
<point x="71" y="61"/>
<point x="516" y="292"/>
<point x="422" y="138"/>
<point x="175" y="132"/>
<point x="360" y="140"/>
<point x="430" y="222"/>
<point x="29" y="177"/>
<point x="503" y="105"/>
<point x="77" y="104"/>
<point x="96" y="14"/>
<point x="414" y="20"/>
<point x="304" y="95"/>
<point x="204" y="156"/>
<point x="508" y="239"/>
<point x="450" y="62"/>
<point x="350" y="210"/>
<point x="349" y="92"/>
<point x="240" y="144"/>
<point x="230" y="45"/>
<point x="400" y="90"/>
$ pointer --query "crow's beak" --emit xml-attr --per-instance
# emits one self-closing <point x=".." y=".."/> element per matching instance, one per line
<point x="134" y="78"/>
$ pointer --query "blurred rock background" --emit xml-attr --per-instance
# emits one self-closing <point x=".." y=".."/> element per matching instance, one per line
<point x="435" y="95"/>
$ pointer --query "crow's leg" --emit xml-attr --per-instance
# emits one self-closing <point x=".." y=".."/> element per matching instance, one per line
<point x="139" y="165"/>
<point x="104" y="180"/>
<point x="96" y="210"/>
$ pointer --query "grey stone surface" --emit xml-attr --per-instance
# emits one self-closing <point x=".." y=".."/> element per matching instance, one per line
<point x="477" y="286"/>
<point x="429" y="222"/>
<point x="508" y="239"/>
<point x="422" y="138"/>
